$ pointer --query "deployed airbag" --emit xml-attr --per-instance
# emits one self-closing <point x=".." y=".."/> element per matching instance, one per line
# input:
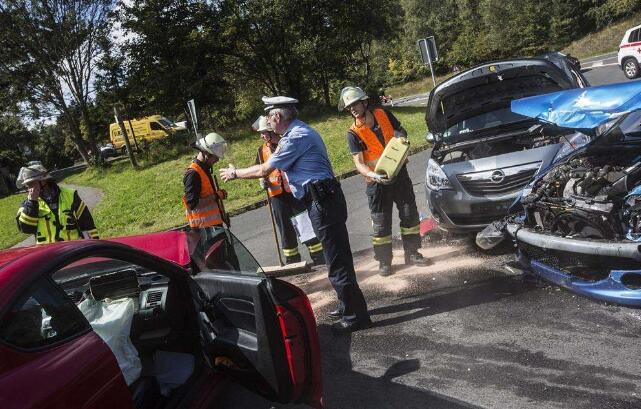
<point x="111" y="320"/>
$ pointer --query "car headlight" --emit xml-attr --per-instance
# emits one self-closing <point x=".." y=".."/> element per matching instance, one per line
<point x="570" y="144"/>
<point x="435" y="178"/>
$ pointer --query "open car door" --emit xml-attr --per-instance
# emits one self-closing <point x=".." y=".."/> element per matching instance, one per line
<point x="260" y="330"/>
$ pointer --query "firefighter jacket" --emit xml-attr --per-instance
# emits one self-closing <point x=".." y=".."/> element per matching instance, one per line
<point x="277" y="180"/>
<point x="368" y="137"/>
<point x="204" y="212"/>
<point x="64" y="217"/>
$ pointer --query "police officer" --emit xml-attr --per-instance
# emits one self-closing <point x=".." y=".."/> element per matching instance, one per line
<point x="367" y="137"/>
<point x="284" y="204"/>
<point x="303" y="155"/>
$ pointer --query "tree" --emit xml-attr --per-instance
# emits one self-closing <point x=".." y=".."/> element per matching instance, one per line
<point x="48" y="56"/>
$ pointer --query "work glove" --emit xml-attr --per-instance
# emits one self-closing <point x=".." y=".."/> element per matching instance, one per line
<point x="377" y="177"/>
<point x="263" y="183"/>
<point x="222" y="194"/>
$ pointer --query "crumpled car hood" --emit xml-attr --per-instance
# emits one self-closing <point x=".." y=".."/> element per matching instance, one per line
<point x="582" y="108"/>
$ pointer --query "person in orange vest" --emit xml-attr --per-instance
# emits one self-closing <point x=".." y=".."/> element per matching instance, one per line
<point x="284" y="205"/>
<point x="201" y="199"/>
<point x="367" y="137"/>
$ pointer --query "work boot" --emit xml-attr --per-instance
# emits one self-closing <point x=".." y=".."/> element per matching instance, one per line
<point x="318" y="258"/>
<point x="416" y="259"/>
<point x="385" y="269"/>
<point x="292" y="259"/>
<point x="337" y="313"/>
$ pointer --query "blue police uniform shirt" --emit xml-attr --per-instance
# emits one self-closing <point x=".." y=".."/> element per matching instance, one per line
<point x="301" y="153"/>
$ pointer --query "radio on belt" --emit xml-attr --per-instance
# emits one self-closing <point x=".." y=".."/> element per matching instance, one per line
<point x="393" y="157"/>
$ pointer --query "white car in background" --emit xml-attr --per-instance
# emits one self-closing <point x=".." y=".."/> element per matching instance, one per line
<point x="630" y="52"/>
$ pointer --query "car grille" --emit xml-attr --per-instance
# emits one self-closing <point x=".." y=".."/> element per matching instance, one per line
<point x="470" y="219"/>
<point x="498" y="181"/>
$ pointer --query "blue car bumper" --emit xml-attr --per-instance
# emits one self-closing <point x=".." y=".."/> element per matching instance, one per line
<point x="617" y="288"/>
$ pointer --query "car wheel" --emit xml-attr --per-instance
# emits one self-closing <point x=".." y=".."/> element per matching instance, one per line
<point x="631" y="68"/>
<point x="123" y="150"/>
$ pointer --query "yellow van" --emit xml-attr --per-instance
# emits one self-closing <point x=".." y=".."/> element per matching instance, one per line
<point x="144" y="129"/>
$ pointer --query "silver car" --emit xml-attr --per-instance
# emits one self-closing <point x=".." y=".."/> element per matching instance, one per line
<point x="483" y="153"/>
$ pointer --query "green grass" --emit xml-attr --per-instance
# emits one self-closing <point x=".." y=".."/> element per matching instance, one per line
<point x="9" y="234"/>
<point x="604" y="41"/>
<point x="149" y="199"/>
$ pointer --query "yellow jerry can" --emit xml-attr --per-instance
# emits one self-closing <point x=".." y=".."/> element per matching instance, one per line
<point x="393" y="157"/>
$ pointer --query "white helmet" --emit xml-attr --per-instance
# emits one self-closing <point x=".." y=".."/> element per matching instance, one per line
<point x="262" y="125"/>
<point x="30" y="174"/>
<point x="349" y="95"/>
<point x="213" y="144"/>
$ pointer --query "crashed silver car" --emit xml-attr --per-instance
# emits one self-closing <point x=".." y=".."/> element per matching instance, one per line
<point x="578" y="224"/>
<point x="484" y="154"/>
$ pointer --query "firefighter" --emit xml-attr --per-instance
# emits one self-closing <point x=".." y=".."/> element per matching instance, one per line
<point x="201" y="199"/>
<point x="367" y="137"/>
<point x="284" y="204"/>
<point x="302" y="153"/>
<point x="52" y="213"/>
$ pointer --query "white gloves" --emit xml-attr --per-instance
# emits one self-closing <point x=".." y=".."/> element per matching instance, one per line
<point x="263" y="183"/>
<point x="377" y="177"/>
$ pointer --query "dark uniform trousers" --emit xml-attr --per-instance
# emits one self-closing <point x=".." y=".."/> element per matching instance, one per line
<point x="381" y="199"/>
<point x="328" y="216"/>
<point x="284" y="206"/>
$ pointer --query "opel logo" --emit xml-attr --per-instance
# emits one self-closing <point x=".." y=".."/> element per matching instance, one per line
<point x="497" y="176"/>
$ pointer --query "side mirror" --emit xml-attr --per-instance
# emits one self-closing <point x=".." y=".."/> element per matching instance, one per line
<point x="429" y="137"/>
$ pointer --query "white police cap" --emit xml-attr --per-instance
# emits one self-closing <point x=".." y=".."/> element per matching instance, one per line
<point x="278" y="102"/>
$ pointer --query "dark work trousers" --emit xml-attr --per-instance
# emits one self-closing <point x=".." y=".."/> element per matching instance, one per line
<point x="284" y="206"/>
<point x="381" y="199"/>
<point x="328" y="218"/>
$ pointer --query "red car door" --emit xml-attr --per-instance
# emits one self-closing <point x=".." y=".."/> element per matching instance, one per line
<point x="259" y="330"/>
<point x="52" y="359"/>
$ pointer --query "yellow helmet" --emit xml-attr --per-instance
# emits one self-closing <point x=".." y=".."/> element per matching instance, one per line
<point x="349" y="95"/>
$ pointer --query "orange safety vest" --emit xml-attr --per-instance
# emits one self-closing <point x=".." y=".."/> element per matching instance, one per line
<point x="277" y="180"/>
<point x="374" y="149"/>
<point x="207" y="212"/>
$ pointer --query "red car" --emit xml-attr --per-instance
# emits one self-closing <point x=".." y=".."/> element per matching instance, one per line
<point x="163" y="320"/>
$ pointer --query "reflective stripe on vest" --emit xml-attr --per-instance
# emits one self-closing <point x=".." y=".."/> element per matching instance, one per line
<point x="277" y="180"/>
<point x="207" y="212"/>
<point x="47" y="231"/>
<point x="374" y="149"/>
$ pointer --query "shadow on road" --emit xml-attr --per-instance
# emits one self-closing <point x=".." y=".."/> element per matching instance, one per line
<point x="450" y="299"/>
<point x="346" y="388"/>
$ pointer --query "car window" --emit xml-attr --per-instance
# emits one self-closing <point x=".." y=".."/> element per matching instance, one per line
<point x="42" y="316"/>
<point x="155" y="126"/>
<point x="166" y="122"/>
<point x="484" y="121"/>
<point x="634" y="36"/>
<point x="217" y="249"/>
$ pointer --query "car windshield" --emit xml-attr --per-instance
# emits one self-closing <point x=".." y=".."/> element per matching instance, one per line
<point x="487" y="120"/>
<point x="167" y="123"/>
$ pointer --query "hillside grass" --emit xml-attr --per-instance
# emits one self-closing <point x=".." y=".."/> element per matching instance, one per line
<point x="9" y="234"/>
<point x="422" y="86"/>
<point x="604" y="41"/>
<point x="149" y="199"/>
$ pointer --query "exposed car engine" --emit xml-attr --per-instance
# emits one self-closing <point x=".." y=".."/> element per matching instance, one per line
<point x="589" y="197"/>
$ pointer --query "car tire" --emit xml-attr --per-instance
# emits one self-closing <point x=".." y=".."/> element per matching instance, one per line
<point x="630" y="68"/>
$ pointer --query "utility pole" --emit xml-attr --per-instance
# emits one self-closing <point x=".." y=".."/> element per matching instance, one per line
<point x="132" y="158"/>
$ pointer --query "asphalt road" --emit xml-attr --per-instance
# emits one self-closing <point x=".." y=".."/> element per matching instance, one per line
<point x="466" y="332"/>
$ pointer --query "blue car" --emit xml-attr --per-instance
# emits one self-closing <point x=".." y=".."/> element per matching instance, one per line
<point x="578" y="223"/>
